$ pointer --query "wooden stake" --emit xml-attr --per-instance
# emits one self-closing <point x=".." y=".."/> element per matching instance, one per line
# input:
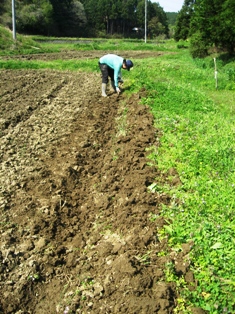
<point x="216" y="75"/>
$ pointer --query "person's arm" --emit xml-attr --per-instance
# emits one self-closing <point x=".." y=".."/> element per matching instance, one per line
<point x="117" y="65"/>
<point x="117" y="71"/>
<point x="120" y="80"/>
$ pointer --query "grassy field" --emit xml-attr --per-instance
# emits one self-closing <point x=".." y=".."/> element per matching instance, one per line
<point x="196" y="117"/>
<point x="197" y="121"/>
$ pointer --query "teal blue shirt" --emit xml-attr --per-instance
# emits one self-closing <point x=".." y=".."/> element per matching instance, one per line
<point x="114" y="62"/>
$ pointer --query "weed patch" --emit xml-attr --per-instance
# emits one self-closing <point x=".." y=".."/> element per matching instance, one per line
<point x="197" y="141"/>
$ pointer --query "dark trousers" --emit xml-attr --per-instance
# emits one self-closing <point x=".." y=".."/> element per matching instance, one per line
<point x="106" y="73"/>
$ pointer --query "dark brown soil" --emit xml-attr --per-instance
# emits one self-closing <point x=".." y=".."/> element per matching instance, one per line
<point x="79" y="226"/>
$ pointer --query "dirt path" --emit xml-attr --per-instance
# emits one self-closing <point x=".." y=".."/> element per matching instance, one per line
<point x="79" y="226"/>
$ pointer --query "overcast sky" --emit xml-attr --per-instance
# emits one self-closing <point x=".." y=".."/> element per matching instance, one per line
<point x="170" y="5"/>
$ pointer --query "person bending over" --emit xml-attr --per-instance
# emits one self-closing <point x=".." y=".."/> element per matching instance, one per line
<point x="110" y="66"/>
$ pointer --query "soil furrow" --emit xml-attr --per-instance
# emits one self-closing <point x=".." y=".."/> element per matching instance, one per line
<point x="79" y="223"/>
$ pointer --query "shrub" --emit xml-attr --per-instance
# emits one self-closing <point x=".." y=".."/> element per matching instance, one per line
<point x="198" y="47"/>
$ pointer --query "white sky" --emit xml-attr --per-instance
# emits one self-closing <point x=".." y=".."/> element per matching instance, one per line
<point x="170" y="5"/>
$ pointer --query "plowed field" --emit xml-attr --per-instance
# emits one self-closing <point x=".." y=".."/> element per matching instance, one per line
<point x="79" y="226"/>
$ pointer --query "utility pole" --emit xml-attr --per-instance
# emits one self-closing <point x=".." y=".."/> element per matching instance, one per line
<point x="145" y="37"/>
<point x="13" y="20"/>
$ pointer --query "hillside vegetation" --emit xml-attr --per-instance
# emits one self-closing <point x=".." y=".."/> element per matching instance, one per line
<point x="9" y="45"/>
<point x="86" y="18"/>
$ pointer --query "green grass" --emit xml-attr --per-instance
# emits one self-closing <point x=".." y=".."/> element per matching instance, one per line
<point x="40" y="44"/>
<point x="87" y="44"/>
<point x="71" y="65"/>
<point x="198" y="128"/>
<point x="22" y="44"/>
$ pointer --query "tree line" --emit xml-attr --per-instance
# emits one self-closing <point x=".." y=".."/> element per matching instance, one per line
<point x="85" y="18"/>
<point x="209" y="24"/>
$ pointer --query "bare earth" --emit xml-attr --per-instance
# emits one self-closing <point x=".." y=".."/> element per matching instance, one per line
<point x="79" y="225"/>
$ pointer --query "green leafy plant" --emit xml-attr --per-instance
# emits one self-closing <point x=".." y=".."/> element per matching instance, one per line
<point x="197" y="132"/>
<point x="34" y="277"/>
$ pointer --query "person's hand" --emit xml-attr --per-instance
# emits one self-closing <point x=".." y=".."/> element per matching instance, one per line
<point x="118" y="90"/>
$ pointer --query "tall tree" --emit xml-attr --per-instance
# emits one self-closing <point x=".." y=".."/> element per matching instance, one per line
<point x="34" y="17"/>
<point x="2" y="7"/>
<point x="86" y="17"/>
<point x="183" y="20"/>
<point x="128" y="15"/>
<point x="5" y="13"/>
<point x="160" y="16"/>
<point x="69" y="16"/>
<point x="212" y="27"/>
<point x="114" y="15"/>
<point x="156" y="17"/>
<point x="97" y="14"/>
<point x="226" y="33"/>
